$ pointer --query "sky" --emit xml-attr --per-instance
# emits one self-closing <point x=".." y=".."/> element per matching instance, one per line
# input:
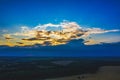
<point x="96" y="21"/>
<point x="101" y="13"/>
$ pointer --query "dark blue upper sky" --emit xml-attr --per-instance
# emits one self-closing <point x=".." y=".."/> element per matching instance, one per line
<point x="96" y="13"/>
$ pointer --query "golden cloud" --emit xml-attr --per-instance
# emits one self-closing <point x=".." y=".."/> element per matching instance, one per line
<point x="50" y="34"/>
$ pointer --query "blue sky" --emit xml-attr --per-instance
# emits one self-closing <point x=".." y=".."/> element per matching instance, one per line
<point x="104" y="14"/>
<point x="100" y="13"/>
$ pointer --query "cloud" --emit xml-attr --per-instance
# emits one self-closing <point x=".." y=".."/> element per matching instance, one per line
<point x="65" y="26"/>
<point x="97" y="31"/>
<point x="4" y="30"/>
<point x="54" y="34"/>
<point x="7" y="36"/>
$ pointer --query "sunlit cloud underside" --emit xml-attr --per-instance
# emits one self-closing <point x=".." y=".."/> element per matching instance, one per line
<point x="55" y="34"/>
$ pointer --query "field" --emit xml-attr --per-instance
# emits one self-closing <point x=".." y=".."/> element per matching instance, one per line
<point x="45" y="68"/>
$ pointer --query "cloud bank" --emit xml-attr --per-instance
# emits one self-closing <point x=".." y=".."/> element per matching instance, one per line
<point x="52" y="35"/>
